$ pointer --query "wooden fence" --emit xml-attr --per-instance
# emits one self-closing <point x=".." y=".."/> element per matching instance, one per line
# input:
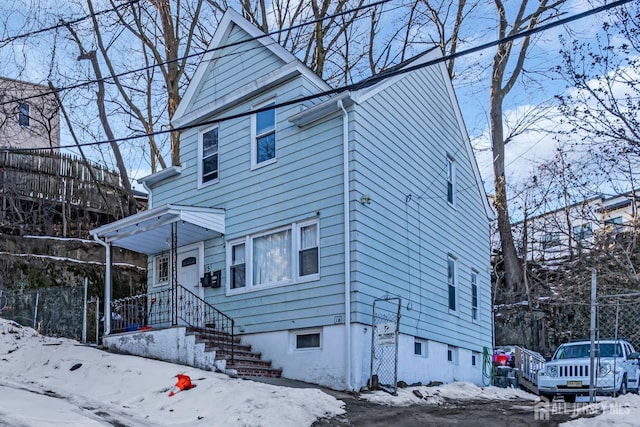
<point x="41" y="186"/>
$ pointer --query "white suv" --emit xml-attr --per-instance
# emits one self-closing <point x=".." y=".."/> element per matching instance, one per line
<point x="567" y="373"/>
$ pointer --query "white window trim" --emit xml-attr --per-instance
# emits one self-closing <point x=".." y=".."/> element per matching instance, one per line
<point x="180" y="250"/>
<point x="477" y="274"/>
<point x="454" y="355"/>
<point x="154" y="280"/>
<point x="294" y="340"/>
<point x="201" y="153"/>
<point x="295" y="236"/>
<point x="254" y="148"/>
<point x="248" y="242"/>
<point x="451" y="161"/>
<point x="455" y="284"/>
<point x="424" y="344"/>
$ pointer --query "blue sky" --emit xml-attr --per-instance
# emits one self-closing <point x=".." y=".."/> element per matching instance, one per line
<point x="26" y="61"/>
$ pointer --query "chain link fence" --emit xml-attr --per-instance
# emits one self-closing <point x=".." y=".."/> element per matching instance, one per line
<point x="57" y="311"/>
<point x="617" y="318"/>
<point x="384" y="344"/>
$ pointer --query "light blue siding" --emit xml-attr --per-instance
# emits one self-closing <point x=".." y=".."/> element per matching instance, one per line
<point x="305" y="182"/>
<point x="401" y="138"/>
<point x="236" y="66"/>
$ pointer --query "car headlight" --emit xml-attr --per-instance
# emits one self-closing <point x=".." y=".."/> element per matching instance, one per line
<point x="552" y="371"/>
<point x="604" y="369"/>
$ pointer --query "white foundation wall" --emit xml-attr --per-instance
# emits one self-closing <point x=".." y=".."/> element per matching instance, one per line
<point x="434" y="364"/>
<point x="170" y="344"/>
<point x="326" y="365"/>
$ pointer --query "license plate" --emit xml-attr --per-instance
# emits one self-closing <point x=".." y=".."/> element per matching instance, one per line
<point x="574" y="383"/>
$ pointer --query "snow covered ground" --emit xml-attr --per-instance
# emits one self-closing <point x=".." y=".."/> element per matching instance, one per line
<point x="57" y="382"/>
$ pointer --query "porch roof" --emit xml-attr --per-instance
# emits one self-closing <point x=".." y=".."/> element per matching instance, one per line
<point x="149" y="231"/>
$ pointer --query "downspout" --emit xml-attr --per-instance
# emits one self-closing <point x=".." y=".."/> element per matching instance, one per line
<point x="107" y="284"/>
<point x="149" y="196"/>
<point x="347" y="242"/>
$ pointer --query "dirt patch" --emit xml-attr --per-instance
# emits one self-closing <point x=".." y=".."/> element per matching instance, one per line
<point x="460" y="413"/>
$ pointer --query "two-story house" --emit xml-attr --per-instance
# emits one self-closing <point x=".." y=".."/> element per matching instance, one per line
<point x="310" y="210"/>
<point x="28" y="116"/>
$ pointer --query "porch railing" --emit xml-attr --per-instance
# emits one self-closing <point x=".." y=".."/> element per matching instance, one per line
<point x="528" y="363"/>
<point x="156" y="309"/>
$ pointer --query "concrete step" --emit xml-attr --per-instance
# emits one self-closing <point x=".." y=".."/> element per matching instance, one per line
<point x="245" y="361"/>
<point x="254" y="371"/>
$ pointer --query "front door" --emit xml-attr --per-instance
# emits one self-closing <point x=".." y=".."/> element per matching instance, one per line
<point x="189" y="278"/>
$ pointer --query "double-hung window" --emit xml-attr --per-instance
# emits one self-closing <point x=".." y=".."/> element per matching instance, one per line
<point x="474" y="295"/>
<point x="23" y="114"/>
<point x="237" y="268"/>
<point x="208" y="151"/>
<point x="451" y="281"/>
<point x="451" y="180"/>
<point x="263" y="126"/>
<point x="276" y="257"/>
<point x="308" y="250"/>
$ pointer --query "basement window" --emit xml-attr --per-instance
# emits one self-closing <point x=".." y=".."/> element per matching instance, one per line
<point x="420" y="347"/>
<point x="306" y="341"/>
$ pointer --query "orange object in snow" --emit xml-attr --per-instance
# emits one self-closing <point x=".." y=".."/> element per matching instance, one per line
<point x="184" y="383"/>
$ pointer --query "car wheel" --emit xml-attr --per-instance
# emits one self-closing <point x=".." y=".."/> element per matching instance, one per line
<point x="570" y="398"/>
<point x="623" y="386"/>
<point x="547" y="397"/>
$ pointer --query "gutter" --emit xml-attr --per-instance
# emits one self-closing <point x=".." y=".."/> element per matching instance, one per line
<point x="347" y="244"/>
<point x="107" y="284"/>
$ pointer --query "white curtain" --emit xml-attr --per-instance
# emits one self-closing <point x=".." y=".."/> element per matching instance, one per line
<point x="272" y="258"/>
<point x="308" y="237"/>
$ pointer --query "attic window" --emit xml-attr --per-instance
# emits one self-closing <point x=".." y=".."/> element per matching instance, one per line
<point x="264" y="134"/>
<point x="208" y="153"/>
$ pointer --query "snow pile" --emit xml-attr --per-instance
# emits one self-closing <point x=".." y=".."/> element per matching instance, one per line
<point x="55" y="381"/>
<point x="423" y="395"/>
<point x="622" y="411"/>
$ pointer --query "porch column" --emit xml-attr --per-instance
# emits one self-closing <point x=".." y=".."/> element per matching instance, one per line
<point x="174" y="273"/>
<point x="107" y="284"/>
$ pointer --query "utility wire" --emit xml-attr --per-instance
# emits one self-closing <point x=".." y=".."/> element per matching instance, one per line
<point x="64" y="23"/>
<point x="365" y="83"/>
<point x="197" y="54"/>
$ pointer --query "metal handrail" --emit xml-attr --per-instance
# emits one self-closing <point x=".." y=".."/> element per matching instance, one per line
<point x="157" y="309"/>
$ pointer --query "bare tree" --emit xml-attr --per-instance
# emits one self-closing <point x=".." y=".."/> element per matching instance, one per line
<point x="104" y="120"/>
<point x="603" y="104"/>
<point x="503" y="79"/>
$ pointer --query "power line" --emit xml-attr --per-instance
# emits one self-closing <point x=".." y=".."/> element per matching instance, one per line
<point x="197" y="54"/>
<point x="365" y="83"/>
<point x="64" y="23"/>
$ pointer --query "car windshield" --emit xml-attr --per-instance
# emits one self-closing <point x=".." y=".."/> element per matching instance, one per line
<point x="575" y="351"/>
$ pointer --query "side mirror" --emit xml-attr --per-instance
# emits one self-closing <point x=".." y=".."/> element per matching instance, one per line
<point x="634" y="356"/>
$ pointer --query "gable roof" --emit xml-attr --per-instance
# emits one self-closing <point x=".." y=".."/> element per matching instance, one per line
<point x="231" y="18"/>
